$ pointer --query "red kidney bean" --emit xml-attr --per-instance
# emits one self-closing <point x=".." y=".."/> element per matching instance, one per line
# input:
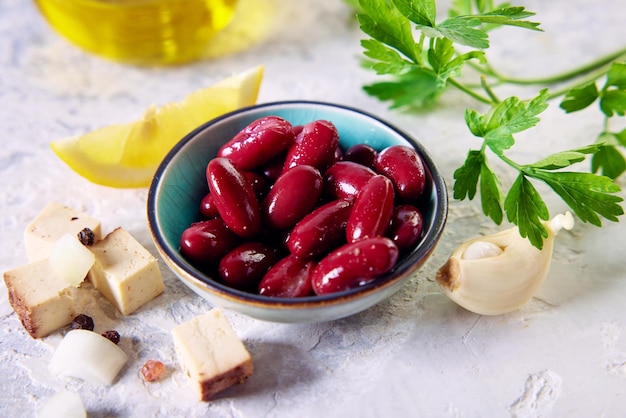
<point x="207" y="241"/>
<point x="208" y="210"/>
<point x="372" y="210"/>
<point x="294" y="195"/>
<point x="353" y="265"/>
<point x="245" y="265"/>
<point x="289" y="278"/>
<point x="406" y="226"/>
<point x="321" y="230"/>
<point x="344" y="179"/>
<point x="274" y="237"/>
<point x="297" y="129"/>
<point x="405" y="169"/>
<point x="315" y="145"/>
<point x="338" y="155"/>
<point x="234" y="197"/>
<point x="258" y="142"/>
<point x="257" y="181"/>
<point x="274" y="167"/>
<point x="362" y="154"/>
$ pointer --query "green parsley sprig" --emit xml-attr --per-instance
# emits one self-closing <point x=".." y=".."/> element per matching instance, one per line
<point x="422" y="57"/>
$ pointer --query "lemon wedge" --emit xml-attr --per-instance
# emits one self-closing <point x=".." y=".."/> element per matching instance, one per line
<point x="127" y="155"/>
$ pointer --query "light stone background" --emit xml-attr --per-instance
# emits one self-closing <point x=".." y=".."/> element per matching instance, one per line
<point x="416" y="354"/>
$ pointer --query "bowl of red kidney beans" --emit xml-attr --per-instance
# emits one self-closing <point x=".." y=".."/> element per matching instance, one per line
<point x="297" y="211"/>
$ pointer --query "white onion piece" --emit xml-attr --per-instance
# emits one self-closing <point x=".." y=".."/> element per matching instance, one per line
<point x="71" y="260"/>
<point x="88" y="356"/>
<point x="64" y="404"/>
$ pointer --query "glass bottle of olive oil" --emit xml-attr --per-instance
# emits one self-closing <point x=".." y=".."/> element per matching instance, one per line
<point x="144" y="32"/>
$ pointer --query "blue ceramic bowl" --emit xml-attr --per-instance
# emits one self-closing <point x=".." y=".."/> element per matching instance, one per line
<point x="180" y="184"/>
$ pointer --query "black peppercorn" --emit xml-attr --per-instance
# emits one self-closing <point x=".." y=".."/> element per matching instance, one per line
<point x="112" y="335"/>
<point x="87" y="236"/>
<point x="82" y="321"/>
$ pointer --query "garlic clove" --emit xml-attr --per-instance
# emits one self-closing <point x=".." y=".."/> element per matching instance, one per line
<point x="499" y="273"/>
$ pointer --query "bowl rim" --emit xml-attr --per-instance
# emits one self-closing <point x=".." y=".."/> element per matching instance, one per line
<point x="403" y="268"/>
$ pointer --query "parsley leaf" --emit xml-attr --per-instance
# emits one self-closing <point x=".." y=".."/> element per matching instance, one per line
<point x="440" y="55"/>
<point x="616" y="77"/>
<point x="508" y="16"/>
<point x="608" y="160"/>
<point x="620" y="137"/>
<point x="525" y="208"/>
<point x="445" y="64"/>
<point x="385" y="24"/>
<point x="579" y="98"/>
<point x="384" y="59"/>
<point x="469" y="29"/>
<point x="462" y="30"/>
<point x="416" y="88"/>
<point x="490" y="194"/>
<point x="565" y="158"/>
<point x="613" y="102"/>
<point x="466" y="177"/>
<point x="589" y="195"/>
<point x="466" y="7"/>
<point x="421" y="12"/>
<point x="508" y="117"/>
<point x="613" y="95"/>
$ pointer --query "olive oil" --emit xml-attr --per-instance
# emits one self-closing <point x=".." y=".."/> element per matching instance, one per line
<point x="145" y="32"/>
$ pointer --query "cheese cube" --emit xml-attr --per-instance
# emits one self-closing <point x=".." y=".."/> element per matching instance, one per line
<point x="211" y="354"/>
<point x="125" y="272"/>
<point x="54" y="221"/>
<point x="43" y="301"/>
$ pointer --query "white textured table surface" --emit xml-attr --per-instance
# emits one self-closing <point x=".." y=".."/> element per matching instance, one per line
<point x="417" y="354"/>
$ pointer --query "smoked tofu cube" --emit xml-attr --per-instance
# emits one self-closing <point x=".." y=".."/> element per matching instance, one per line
<point x="43" y="301"/>
<point x="125" y="272"/>
<point x="211" y="354"/>
<point x="54" y="221"/>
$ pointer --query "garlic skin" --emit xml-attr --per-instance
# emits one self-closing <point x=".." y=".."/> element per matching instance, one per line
<point x="499" y="273"/>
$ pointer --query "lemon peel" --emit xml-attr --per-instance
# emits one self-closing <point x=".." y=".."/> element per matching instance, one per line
<point x="127" y="155"/>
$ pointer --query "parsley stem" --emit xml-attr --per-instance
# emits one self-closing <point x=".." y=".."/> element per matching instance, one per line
<point x="510" y="162"/>
<point x="558" y="78"/>
<point x="419" y="59"/>
<point x="591" y="77"/>
<point x="470" y="92"/>
<point x="488" y="90"/>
